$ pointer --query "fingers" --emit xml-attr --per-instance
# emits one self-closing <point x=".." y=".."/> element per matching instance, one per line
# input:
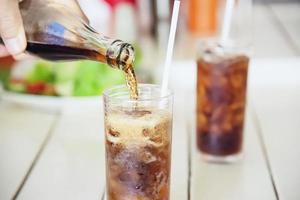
<point x="11" y="27"/>
<point x="23" y="56"/>
<point x="3" y="51"/>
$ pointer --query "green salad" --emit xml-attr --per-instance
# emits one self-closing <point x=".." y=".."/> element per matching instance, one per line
<point x="80" y="78"/>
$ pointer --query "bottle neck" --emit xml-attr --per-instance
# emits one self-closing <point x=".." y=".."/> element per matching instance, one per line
<point x="120" y="55"/>
<point x="114" y="52"/>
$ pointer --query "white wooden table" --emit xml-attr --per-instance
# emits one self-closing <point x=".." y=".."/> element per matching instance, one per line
<point x="61" y="156"/>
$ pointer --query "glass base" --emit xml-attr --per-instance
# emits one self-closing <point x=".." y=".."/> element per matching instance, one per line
<point x="221" y="159"/>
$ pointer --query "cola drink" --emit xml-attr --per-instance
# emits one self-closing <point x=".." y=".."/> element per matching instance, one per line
<point x="138" y="151"/>
<point x="221" y="101"/>
<point x="138" y="155"/>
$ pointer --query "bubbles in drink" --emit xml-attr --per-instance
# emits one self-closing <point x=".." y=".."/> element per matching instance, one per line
<point x="221" y="89"/>
<point x="131" y="82"/>
<point x="138" y="146"/>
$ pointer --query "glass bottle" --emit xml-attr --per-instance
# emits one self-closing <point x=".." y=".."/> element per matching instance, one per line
<point x="58" y="30"/>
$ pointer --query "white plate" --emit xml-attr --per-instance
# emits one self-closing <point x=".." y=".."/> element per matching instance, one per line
<point x="54" y="104"/>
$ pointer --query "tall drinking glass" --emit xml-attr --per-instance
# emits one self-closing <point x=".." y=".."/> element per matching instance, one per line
<point x="222" y="75"/>
<point x="138" y="143"/>
<point x="221" y="102"/>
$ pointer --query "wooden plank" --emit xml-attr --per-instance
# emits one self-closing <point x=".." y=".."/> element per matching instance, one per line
<point x="72" y="166"/>
<point x="22" y="133"/>
<point x="180" y="162"/>
<point x="289" y="17"/>
<point x="182" y="82"/>
<point x="247" y="179"/>
<point x="277" y="105"/>
<point x="269" y="41"/>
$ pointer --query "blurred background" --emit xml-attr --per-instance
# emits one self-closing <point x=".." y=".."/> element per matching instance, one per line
<point x="274" y="32"/>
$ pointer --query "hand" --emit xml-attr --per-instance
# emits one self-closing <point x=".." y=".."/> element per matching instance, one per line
<point x="11" y="29"/>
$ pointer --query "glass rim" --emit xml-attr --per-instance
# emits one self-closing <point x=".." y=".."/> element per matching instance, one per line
<point x="115" y="89"/>
<point x="203" y="45"/>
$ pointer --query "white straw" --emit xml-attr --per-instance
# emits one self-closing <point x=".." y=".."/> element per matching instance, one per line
<point x="168" y="61"/>
<point x="227" y="21"/>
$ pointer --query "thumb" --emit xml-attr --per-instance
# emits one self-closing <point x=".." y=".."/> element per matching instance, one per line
<point x="11" y="27"/>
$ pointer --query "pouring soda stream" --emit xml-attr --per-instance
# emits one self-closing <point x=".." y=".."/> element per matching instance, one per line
<point x="138" y="137"/>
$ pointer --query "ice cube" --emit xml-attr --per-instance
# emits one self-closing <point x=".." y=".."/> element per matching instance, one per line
<point x="137" y="113"/>
<point x="154" y="136"/>
<point x="202" y="121"/>
<point x="129" y="177"/>
<point x="147" y="157"/>
<point x="238" y="119"/>
<point x="146" y="132"/>
<point x="112" y="135"/>
<point x="219" y="114"/>
<point x="114" y="148"/>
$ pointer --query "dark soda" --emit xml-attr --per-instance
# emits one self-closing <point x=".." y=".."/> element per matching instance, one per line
<point x="138" y="154"/>
<point x="221" y="101"/>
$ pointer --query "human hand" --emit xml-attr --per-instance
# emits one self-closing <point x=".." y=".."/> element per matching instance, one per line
<point x="11" y="29"/>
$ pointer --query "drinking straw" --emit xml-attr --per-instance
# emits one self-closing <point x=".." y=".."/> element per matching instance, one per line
<point x="170" y="48"/>
<point x="227" y="21"/>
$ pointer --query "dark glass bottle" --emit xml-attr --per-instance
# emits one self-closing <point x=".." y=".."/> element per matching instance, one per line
<point x="57" y="31"/>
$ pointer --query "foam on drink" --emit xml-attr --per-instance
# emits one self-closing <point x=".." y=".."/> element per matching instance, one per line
<point x="138" y="127"/>
<point x="138" y="145"/>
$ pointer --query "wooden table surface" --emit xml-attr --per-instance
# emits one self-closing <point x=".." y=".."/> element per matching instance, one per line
<point x="61" y="155"/>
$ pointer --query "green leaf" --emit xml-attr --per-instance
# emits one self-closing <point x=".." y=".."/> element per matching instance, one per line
<point x="65" y="71"/>
<point x="94" y="77"/>
<point x="4" y="77"/>
<point x="42" y="71"/>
